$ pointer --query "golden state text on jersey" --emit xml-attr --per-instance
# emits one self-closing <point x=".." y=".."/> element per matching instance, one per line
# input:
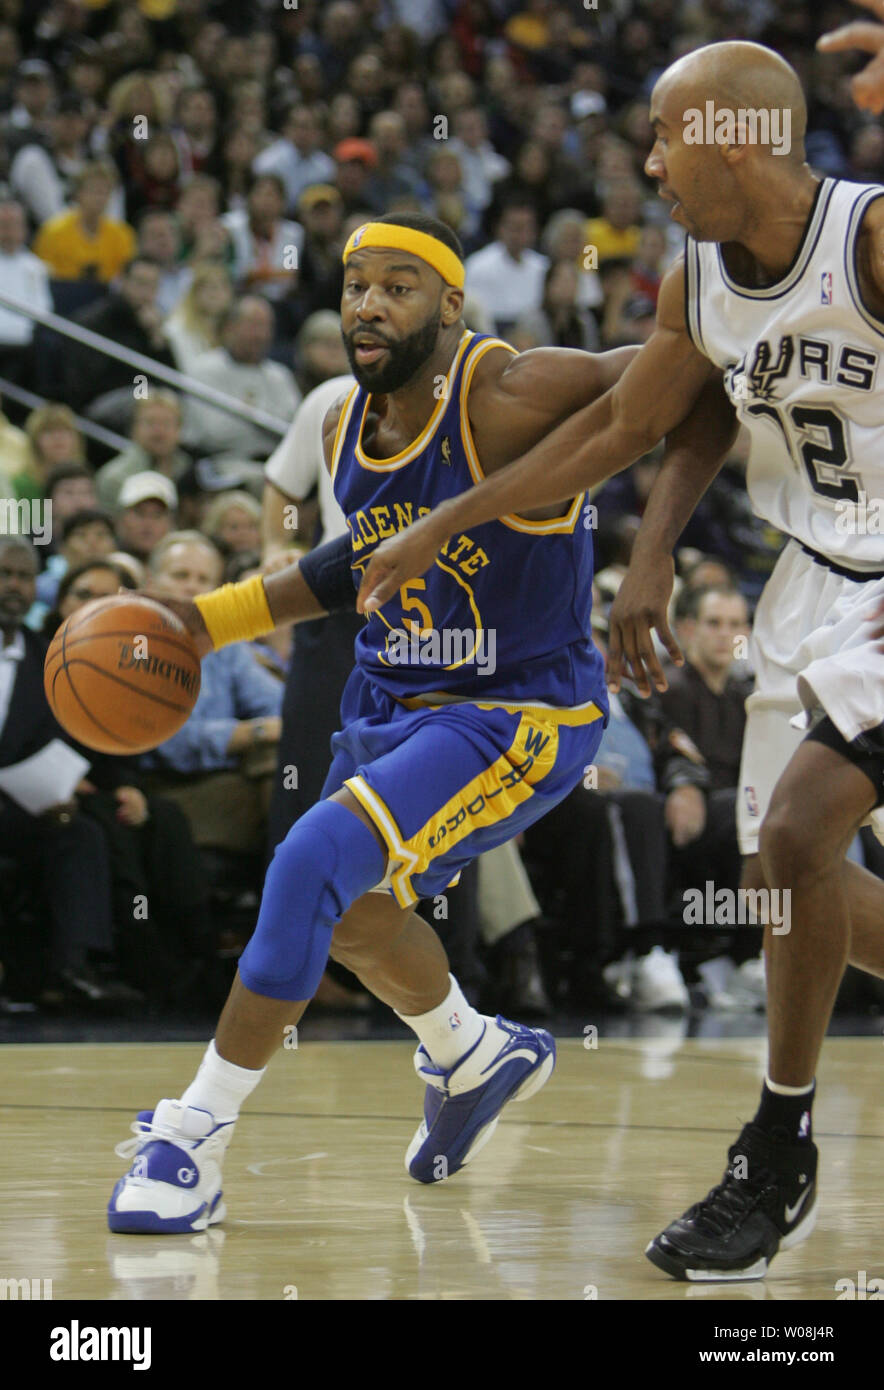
<point x="505" y="609"/>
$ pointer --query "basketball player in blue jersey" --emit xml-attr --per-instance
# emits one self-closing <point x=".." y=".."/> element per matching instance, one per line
<point x="477" y="702"/>
<point x="780" y="295"/>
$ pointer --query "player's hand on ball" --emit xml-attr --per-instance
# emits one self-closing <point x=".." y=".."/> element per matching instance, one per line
<point x="639" y="608"/>
<point x="867" y="86"/>
<point x="405" y="556"/>
<point x="189" y="614"/>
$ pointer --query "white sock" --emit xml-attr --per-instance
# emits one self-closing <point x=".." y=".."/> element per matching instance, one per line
<point x="449" y="1030"/>
<point x="779" y="1090"/>
<point x="221" y="1087"/>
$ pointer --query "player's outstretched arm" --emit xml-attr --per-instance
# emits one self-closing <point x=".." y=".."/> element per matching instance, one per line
<point x="695" y="451"/>
<point x="311" y="587"/>
<point x="655" y="392"/>
<point x="867" y="87"/>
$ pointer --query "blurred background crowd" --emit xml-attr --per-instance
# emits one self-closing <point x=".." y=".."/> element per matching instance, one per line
<point x="180" y="176"/>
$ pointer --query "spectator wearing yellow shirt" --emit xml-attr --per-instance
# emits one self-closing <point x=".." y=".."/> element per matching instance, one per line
<point x="81" y="243"/>
<point x="617" y="233"/>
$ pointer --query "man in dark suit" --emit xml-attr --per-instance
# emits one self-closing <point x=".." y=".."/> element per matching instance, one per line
<point x="62" y="854"/>
<point x="129" y="316"/>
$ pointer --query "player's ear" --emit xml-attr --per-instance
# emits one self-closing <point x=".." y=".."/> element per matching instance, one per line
<point x="736" y="150"/>
<point x="451" y="306"/>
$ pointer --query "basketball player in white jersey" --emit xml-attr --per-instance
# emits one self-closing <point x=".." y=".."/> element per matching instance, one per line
<point x="780" y="297"/>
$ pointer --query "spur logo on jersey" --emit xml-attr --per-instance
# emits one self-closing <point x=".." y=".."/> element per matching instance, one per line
<point x="766" y="371"/>
<point x="810" y="359"/>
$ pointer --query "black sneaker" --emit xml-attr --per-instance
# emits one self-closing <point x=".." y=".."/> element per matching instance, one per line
<point x="765" y="1202"/>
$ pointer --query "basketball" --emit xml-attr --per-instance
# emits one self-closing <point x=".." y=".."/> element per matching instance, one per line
<point x="122" y="674"/>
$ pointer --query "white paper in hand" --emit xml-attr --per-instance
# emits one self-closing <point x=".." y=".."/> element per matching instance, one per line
<point x="46" y="779"/>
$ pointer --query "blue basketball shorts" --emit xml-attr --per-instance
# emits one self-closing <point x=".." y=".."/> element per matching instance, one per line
<point x="443" y="783"/>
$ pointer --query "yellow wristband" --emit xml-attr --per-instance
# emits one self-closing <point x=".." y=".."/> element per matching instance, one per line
<point x="236" y="612"/>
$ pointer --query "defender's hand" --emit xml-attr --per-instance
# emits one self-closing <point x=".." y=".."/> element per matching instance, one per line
<point x="639" y="608"/>
<point x="867" y="86"/>
<point x="405" y="556"/>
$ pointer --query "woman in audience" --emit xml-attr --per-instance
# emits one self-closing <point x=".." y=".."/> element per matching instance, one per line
<point x="560" y="322"/>
<point x="233" y="522"/>
<point x="194" y="326"/>
<point x="54" y="439"/>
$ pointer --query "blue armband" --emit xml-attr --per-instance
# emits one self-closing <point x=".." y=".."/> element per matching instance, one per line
<point x="328" y="573"/>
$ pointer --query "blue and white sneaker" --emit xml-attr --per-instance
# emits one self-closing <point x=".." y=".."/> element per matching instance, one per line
<point x="462" y="1106"/>
<point x="174" y="1184"/>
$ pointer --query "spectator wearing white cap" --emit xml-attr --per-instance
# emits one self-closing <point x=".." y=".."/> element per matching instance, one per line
<point x="148" y="506"/>
<point x="156" y="432"/>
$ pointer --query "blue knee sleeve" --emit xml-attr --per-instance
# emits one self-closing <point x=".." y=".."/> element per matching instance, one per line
<point x="328" y="859"/>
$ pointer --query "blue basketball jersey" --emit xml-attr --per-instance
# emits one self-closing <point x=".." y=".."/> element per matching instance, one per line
<point x="505" y="609"/>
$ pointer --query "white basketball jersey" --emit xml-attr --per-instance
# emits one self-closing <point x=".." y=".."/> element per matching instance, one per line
<point x="800" y="361"/>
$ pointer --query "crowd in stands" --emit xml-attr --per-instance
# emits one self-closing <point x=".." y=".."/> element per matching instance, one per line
<point x="180" y="176"/>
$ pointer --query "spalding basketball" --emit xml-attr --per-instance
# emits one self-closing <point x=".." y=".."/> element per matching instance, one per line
<point x="122" y="674"/>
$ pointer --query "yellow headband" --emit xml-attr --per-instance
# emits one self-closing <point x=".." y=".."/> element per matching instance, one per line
<point x="391" y="237"/>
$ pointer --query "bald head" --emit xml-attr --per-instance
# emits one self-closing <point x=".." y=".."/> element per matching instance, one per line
<point x="729" y="121"/>
<point x="737" y="76"/>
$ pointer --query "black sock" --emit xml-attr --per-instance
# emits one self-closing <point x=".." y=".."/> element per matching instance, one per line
<point x="791" y="1113"/>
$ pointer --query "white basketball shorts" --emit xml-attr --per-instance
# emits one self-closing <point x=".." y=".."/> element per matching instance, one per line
<point x="812" y="651"/>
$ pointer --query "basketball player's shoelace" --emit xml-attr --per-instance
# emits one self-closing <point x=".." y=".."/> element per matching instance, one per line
<point x="732" y="1200"/>
<point x="726" y="1205"/>
<point x="146" y="1131"/>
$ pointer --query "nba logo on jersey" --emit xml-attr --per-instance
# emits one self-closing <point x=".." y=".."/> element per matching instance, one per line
<point x="751" y="801"/>
<point x="454" y="1021"/>
<point x="826" y="287"/>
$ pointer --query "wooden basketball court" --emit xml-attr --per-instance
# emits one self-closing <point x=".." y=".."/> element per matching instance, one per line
<point x="559" y="1206"/>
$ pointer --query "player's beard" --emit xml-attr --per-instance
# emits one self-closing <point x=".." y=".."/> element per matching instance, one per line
<point x="403" y="360"/>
